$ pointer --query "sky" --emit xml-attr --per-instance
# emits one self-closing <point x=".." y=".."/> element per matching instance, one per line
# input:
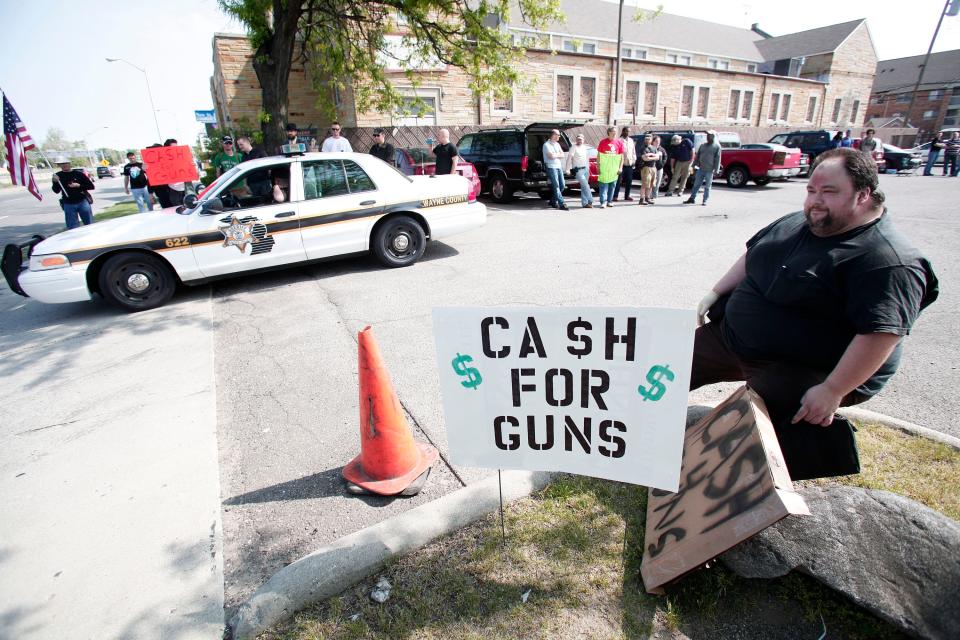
<point x="55" y="74"/>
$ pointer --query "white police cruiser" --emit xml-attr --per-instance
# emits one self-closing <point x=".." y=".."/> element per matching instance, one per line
<point x="261" y="214"/>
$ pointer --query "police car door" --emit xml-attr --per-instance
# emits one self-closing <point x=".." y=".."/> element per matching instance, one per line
<point x="340" y="205"/>
<point x="255" y="229"/>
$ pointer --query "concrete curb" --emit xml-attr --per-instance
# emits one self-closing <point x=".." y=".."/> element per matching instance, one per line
<point x="331" y="569"/>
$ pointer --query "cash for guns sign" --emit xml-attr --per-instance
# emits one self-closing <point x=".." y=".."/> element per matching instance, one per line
<point x="169" y="164"/>
<point x="734" y="483"/>
<point x="594" y="391"/>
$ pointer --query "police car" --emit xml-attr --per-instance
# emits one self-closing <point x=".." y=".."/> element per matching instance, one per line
<point x="261" y="214"/>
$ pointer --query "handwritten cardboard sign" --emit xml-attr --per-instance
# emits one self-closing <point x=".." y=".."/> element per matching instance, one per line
<point x="169" y="164"/>
<point x="734" y="483"/>
<point x="594" y="391"/>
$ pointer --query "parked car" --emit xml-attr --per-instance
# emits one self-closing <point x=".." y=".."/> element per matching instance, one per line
<point x="804" y="158"/>
<point x="509" y="160"/>
<point x="812" y="142"/>
<point x="898" y="159"/>
<point x="332" y="204"/>
<point x="924" y="152"/>
<point x="420" y="161"/>
<point x="107" y="172"/>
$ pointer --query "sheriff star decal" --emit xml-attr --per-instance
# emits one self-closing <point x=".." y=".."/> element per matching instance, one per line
<point x="239" y="232"/>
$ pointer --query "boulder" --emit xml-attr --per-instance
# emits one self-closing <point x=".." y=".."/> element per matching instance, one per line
<point x="890" y="555"/>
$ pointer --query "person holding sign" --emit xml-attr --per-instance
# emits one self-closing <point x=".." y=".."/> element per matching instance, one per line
<point x="811" y="316"/>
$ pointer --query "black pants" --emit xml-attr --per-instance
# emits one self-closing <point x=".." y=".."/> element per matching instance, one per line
<point x="808" y="449"/>
<point x="626" y="180"/>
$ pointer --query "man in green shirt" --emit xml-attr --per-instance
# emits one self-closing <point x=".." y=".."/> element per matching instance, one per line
<point x="228" y="158"/>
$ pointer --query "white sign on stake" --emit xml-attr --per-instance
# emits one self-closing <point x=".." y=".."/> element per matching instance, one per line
<point x="594" y="391"/>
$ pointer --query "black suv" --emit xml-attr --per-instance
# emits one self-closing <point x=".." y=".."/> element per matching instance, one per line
<point x="511" y="159"/>
<point x="812" y="143"/>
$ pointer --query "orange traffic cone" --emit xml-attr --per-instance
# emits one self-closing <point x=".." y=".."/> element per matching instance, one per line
<point x="389" y="461"/>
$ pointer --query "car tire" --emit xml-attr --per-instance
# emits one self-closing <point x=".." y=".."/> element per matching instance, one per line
<point x="737" y="177"/>
<point x="762" y="182"/>
<point x="500" y="189"/>
<point x="398" y="242"/>
<point x="136" y="281"/>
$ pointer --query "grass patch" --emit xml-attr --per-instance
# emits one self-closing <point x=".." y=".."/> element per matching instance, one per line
<point x="116" y="211"/>
<point x="576" y="547"/>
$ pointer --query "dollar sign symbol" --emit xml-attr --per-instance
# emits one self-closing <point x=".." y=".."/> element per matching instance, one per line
<point x="461" y="369"/>
<point x="657" y="388"/>
<point x="585" y="344"/>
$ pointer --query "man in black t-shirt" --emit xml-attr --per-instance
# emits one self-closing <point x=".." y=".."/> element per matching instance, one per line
<point x="381" y="148"/>
<point x="446" y="154"/>
<point x="135" y="183"/>
<point x="73" y="185"/>
<point x="817" y="308"/>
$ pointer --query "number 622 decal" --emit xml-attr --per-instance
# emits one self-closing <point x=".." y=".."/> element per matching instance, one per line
<point x="182" y="241"/>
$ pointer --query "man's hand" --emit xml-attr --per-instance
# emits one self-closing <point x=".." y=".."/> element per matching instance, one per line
<point x="73" y="185"/>
<point x="704" y="306"/>
<point x="818" y="405"/>
<point x="56" y="178"/>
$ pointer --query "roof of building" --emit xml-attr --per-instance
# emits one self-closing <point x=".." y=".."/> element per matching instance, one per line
<point x="807" y="43"/>
<point x="902" y="73"/>
<point x="598" y="19"/>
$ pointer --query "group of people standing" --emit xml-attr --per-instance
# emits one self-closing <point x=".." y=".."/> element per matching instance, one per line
<point x="950" y="148"/>
<point x="619" y="159"/>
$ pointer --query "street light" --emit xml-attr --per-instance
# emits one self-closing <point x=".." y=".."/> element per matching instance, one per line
<point x="153" y="109"/>
<point x="176" y="118"/>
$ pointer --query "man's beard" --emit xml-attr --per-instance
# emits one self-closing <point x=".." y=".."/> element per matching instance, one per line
<point x="824" y="223"/>
<point x="291" y="136"/>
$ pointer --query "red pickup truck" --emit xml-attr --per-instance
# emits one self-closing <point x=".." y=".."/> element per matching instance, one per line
<point x="760" y="162"/>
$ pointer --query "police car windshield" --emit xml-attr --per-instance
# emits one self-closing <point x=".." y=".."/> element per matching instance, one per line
<point x="213" y="187"/>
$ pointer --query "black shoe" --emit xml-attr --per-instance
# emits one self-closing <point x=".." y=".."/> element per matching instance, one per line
<point x="668" y="194"/>
<point x="563" y="207"/>
<point x="704" y="203"/>
<point x="689" y="201"/>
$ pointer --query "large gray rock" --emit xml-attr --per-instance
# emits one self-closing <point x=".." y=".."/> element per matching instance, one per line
<point x="889" y="554"/>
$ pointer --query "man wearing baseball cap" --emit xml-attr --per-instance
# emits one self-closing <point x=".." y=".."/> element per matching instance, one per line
<point x="228" y="158"/>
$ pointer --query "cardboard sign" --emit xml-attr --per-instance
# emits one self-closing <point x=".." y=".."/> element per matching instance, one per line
<point x="734" y="484"/>
<point x="597" y="391"/>
<point x="169" y="164"/>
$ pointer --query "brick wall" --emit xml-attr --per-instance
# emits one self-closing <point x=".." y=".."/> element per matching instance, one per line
<point x="851" y="78"/>
<point x="926" y="126"/>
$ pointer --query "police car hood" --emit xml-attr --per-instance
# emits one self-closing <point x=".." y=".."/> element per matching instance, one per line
<point x="128" y="229"/>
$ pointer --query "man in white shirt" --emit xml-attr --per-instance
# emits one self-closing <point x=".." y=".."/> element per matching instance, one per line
<point x="335" y="142"/>
<point x="553" y="163"/>
<point x="578" y="162"/>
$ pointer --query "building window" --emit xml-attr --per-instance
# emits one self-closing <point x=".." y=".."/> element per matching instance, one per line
<point x="854" y="111"/>
<point x="703" y="102"/>
<point x="774" y="106"/>
<point x="570" y="45"/>
<point x="746" y="109"/>
<point x="733" y="110"/>
<point x="903" y="98"/>
<point x="686" y="102"/>
<point x="564" y="94"/>
<point x="633" y="53"/>
<point x="502" y="104"/>
<point x="715" y="63"/>
<point x="589" y="47"/>
<point x="579" y="46"/>
<point x="678" y="58"/>
<point x="751" y="67"/>
<point x="588" y="94"/>
<point x="930" y="114"/>
<point x="836" y="110"/>
<point x="811" y="108"/>
<point x="785" y="107"/>
<point x="936" y="94"/>
<point x="631" y="97"/>
<point x="651" y="90"/>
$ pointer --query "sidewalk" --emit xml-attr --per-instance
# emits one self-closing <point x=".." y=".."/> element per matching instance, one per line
<point x="109" y="472"/>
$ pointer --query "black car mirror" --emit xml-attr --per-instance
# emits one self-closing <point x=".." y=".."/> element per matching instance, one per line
<point x="212" y="206"/>
<point x="190" y="200"/>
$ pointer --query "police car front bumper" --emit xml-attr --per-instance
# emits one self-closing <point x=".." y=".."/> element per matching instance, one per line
<point x="55" y="285"/>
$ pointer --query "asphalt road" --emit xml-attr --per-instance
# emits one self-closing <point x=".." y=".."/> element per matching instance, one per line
<point x="284" y="344"/>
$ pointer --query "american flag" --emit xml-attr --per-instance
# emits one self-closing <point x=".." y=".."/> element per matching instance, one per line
<point x="18" y="142"/>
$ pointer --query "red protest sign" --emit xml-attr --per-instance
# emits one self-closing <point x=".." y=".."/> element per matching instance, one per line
<point x="168" y="164"/>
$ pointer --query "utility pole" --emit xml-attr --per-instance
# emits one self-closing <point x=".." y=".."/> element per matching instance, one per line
<point x="923" y="68"/>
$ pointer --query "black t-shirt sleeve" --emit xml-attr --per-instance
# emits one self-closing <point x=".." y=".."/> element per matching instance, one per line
<point x="886" y="300"/>
<point x="759" y="235"/>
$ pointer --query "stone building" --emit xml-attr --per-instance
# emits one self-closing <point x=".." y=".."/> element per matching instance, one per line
<point x="674" y="71"/>
<point x="937" y="102"/>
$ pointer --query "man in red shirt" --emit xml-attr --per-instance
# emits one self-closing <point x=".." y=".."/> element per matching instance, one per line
<point x="610" y="164"/>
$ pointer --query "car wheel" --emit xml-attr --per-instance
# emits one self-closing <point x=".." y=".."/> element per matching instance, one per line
<point x="500" y="190"/>
<point x="762" y="182"/>
<point x="737" y="177"/>
<point x="136" y="281"/>
<point x="399" y="242"/>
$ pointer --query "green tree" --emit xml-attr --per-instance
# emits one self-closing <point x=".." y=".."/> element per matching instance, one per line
<point x="346" y="42"/>
<point x="56" y="140"/>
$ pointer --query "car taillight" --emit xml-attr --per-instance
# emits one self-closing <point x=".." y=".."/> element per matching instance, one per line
<point x="418" y="171"/>
<point x="471" y="194"/>
<point x="523" y="163"/>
